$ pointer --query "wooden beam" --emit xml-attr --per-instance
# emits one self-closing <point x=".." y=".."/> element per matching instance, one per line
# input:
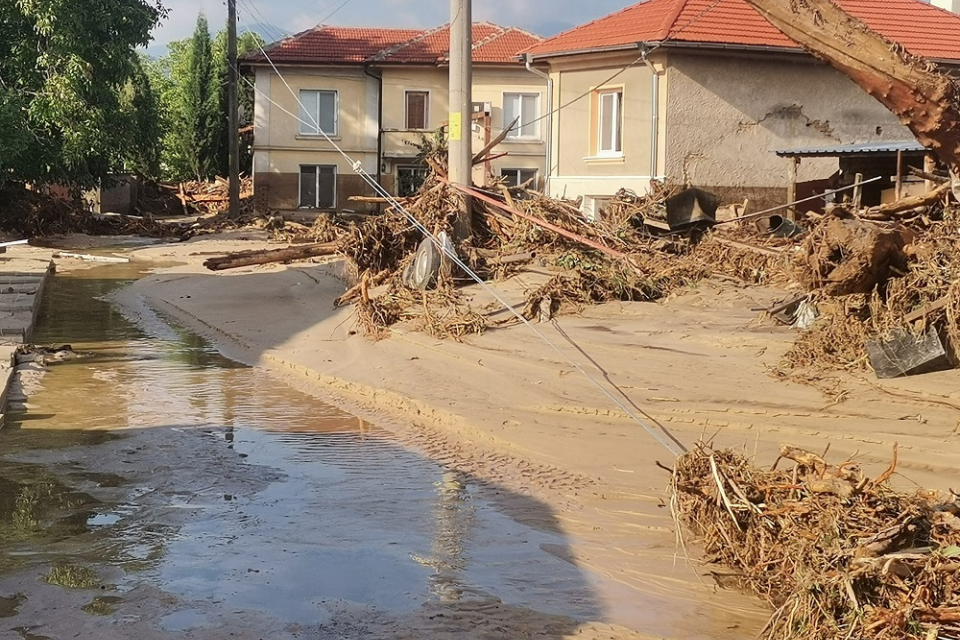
<point x="792" y="186"/>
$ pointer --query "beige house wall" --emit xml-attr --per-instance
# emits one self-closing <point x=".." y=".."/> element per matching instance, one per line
<point x="576" y="169"/>
<point x="727" y="114"/>
<point x="280" y="149"/>
<point x="489" y="85"/>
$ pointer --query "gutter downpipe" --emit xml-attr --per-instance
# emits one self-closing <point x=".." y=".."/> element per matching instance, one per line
<point x="655" y="116"/>
<point x="548" y="144"/>
<point x="379" y="79"/>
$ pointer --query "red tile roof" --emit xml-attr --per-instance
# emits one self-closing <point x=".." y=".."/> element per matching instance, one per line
<point x="324" y="44"/>
<point x="921" y="28"/>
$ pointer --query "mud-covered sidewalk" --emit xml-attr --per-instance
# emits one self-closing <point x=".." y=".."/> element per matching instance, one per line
<point x="509" y="408"/>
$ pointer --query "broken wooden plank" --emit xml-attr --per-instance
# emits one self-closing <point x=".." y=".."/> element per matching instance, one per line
<point x="477" y="159"/>
<point x="927" y="309"/>
<point x="267" y="256"/>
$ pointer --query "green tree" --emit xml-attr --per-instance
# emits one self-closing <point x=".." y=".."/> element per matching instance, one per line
<point x="199" y="132"/>
<point x="247" y="42"/>
<point x="173" y="79"/>
<point x="63" y="64"/>
<point x="144" y="124"/>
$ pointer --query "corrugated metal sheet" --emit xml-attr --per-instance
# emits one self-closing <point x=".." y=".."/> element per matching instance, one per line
<point x="852" y="149"/>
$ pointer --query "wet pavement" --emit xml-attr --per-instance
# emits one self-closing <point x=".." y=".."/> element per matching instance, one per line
<point x="154" y="488"/>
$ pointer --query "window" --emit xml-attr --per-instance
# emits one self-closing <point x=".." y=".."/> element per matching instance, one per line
<point x="525" y="106"/>
<point x="318" y="112"/>
<point x="609" y="123"/>
<point x="318" y="186"/>
<point x="409" y="179"/>
<point x="418" y="109"/>
<point x="516" y="177"/>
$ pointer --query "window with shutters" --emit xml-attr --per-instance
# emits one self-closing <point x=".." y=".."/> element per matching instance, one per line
<point x="318" y="186"/>
<point x="609" y="115"/>
<point x="418" y="109"/>
<point x="525" y="109"/>
<point x="318" y="112"/>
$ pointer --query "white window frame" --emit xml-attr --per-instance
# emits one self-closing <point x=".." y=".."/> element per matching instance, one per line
<point x="516" y="134"/>
<point x="426" y="109"/>
<point x="310" y="128"/>
<point x="316" y="177"/>
<point x="518" y="170"/>
<point x="610" y="151"/>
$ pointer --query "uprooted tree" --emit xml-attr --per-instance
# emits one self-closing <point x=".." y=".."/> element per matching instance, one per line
<point x="926" y="101"/>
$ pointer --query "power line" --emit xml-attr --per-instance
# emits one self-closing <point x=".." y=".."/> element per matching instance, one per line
<point x="358" y="169"/>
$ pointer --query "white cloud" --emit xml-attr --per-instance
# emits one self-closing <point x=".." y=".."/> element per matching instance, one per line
<point x="297" y="15"/>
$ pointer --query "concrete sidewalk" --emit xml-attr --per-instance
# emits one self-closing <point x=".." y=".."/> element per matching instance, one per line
<point x="24" y="272"/>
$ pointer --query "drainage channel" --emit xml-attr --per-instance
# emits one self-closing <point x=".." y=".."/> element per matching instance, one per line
<point x="152" y="487"/>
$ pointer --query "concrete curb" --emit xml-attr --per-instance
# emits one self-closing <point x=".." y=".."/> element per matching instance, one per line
<point x="22" y="281"/>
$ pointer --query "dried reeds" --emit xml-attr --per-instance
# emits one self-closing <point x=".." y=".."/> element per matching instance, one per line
<point x="834" y="553"/>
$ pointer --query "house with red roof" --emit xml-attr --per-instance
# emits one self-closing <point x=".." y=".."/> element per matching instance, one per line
<point x="373" y="92"/>
<point x="704" y="92"/>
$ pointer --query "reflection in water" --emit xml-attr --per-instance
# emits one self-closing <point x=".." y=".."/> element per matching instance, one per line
<point x="242" y="492"/>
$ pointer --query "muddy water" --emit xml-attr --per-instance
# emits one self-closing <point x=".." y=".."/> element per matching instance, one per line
<point x="154" y="487"/>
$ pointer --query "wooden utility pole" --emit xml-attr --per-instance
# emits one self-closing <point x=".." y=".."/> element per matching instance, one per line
<point x="233" y="128"/>
<point x="926" y="102"/>
<point x="460" y="149"/>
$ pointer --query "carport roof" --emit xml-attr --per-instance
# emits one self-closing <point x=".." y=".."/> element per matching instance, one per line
<point x="862" y="148"/>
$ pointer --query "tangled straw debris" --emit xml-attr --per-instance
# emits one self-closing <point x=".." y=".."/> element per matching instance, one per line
<point x="834" y="553"/>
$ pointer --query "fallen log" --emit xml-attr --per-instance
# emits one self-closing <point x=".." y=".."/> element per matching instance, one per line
<point x="267" y="256"/>
<point x="932" y="177"/>
<point x="884" y="211"/>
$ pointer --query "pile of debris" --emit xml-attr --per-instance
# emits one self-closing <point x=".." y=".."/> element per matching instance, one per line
<point x="834" y="553"/>
<point x="883" y="291"/>
<point x="213" y="197"/>
<point x="30" y="213"/>
<point x="641" y="248"/>
<point x="635" y="252"/>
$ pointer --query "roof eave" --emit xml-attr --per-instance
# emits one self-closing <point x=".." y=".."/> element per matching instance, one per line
<point x="713" y="46"/>
<point x="576" y="52"/>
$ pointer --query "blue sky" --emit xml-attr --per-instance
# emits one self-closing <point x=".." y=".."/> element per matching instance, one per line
<point x="545" y="17"/>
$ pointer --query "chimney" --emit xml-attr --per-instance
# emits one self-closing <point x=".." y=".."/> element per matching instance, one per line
<point x="949" y="5"/>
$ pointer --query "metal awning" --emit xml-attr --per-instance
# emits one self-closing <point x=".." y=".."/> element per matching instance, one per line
<point x="863" y="148"/>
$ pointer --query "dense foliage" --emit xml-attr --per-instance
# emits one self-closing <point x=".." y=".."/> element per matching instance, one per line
<point x="72" y="92"/>
<point x="191" y="84"/>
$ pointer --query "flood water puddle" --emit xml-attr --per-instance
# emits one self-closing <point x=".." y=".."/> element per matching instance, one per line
<point x="212" y="497"/>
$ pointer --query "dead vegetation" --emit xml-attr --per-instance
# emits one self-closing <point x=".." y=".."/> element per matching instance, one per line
<point x="834" y="553"/>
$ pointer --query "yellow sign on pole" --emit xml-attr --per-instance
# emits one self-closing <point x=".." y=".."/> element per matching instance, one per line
<point x="456" y="125"/>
